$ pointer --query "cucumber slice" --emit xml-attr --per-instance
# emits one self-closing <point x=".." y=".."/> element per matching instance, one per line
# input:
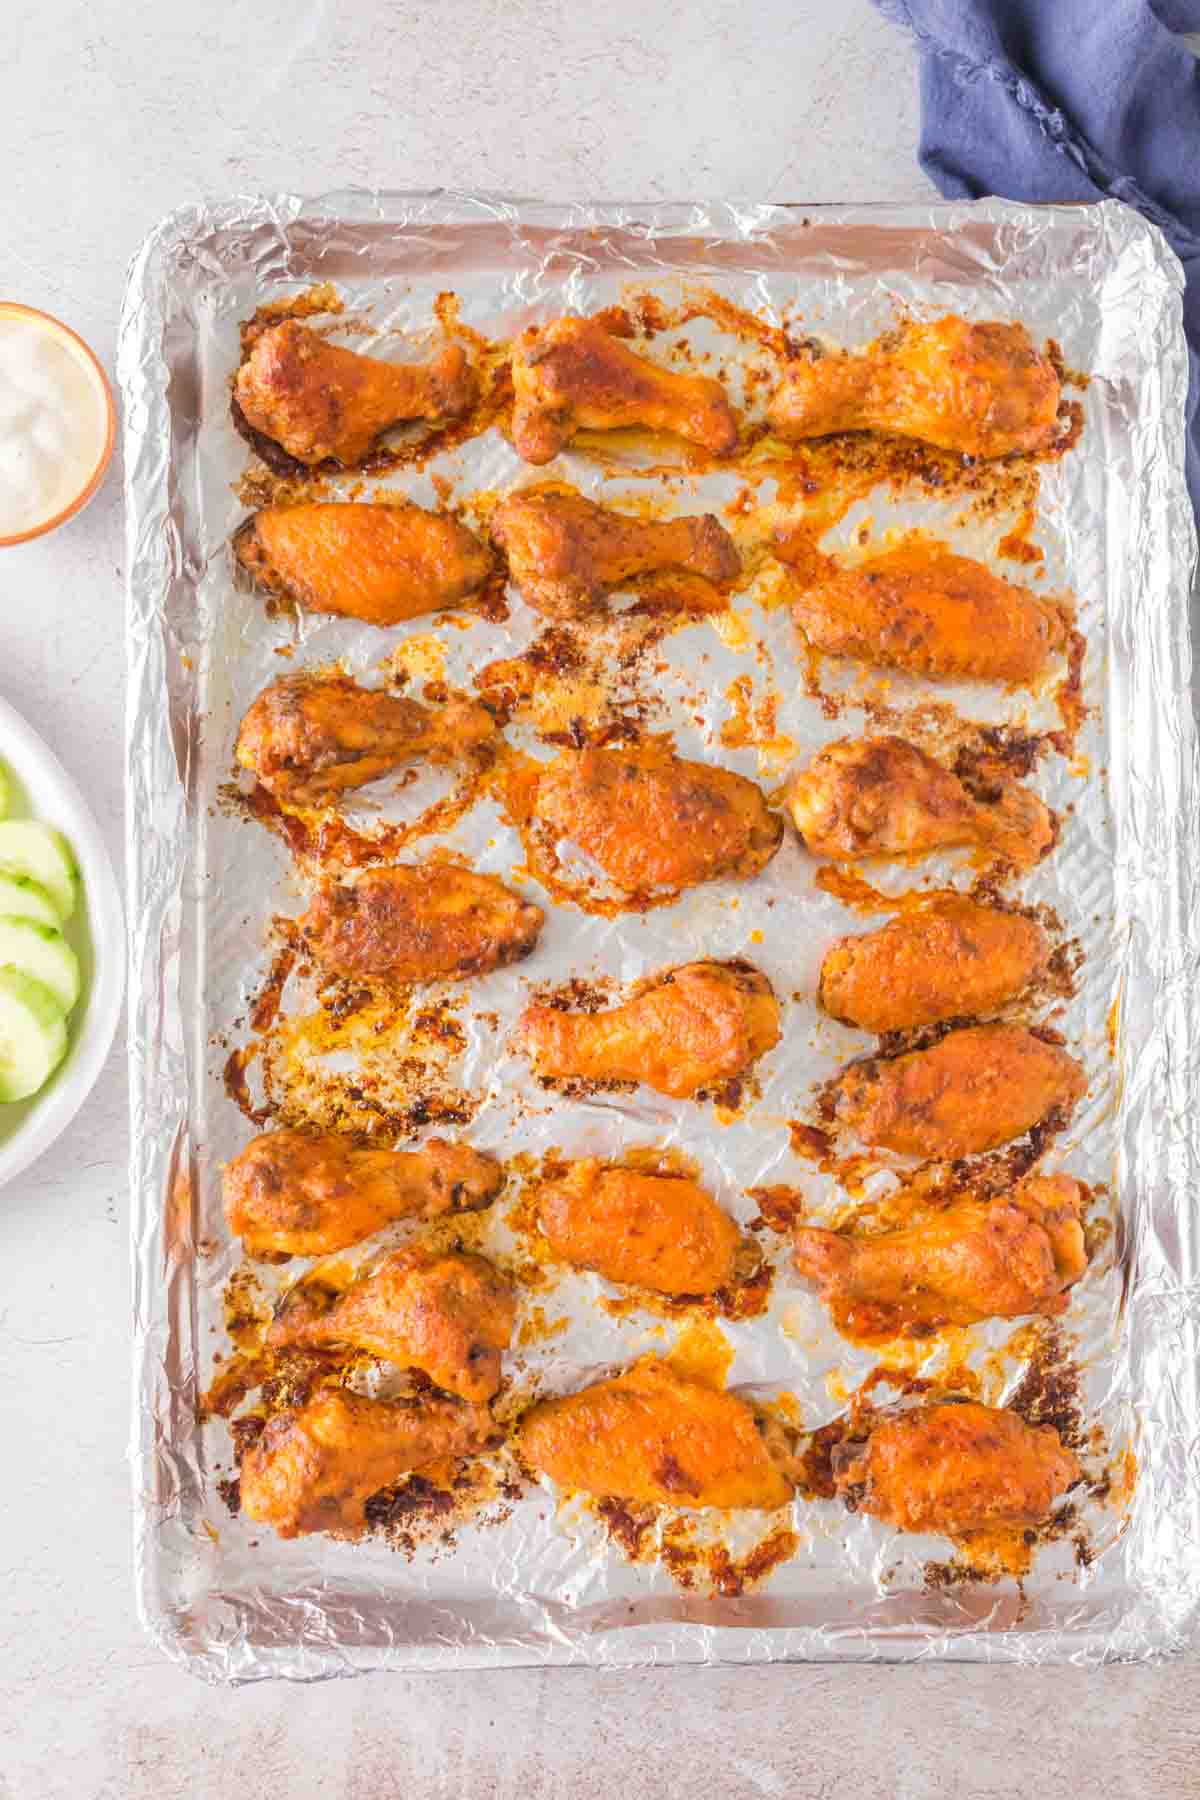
<point x="37" y="851"/>
<point x="5" y="792"/>
<point x="21" y="898"/>
<point x="33" y="1035"/>
<point x="43" y="952"/>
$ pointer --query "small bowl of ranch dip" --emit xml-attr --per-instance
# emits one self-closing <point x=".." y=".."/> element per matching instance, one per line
<point x="57" y="423"/>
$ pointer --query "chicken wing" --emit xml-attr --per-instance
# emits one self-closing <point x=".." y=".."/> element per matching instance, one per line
<point x="974" y="1260"/>
<point x="300" y="1193"/>
<point x="322" y="403"/>
<point x="316" y="1468"/>
<point x="982" y="390"/>
<point x="651" y="819"/>
<point x="416" y="922"/>
<point x="694" y="1027"/>
<point x="953" y="959"/>
<point x="308" y="738"/>
<point x="654" y="1231"/>
<point x="972" y="1091"/>
<point x="883" y="797"/>
<point x="450" y="1316"/>
<point x="923" y="609"/>
<point x="955" y="1467"/>
<point x="381" y="564"/>
<point x="566" y="553"/>
<point x="652" y="1437"/>
<point x="572" y="375"/>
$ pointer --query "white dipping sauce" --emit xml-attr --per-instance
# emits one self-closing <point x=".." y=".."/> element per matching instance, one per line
<point x="53" y="423"/>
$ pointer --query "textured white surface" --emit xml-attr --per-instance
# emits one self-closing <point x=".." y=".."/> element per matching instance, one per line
<point x="110" y="115"/>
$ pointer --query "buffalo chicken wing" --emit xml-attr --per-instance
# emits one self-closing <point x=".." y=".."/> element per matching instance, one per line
<point x="308" y="738"/>
<point x="692" y="1028"/>
<point x="381" y="564"/>
<point x="884" y="797"/>
<point x="414" y="923"/>
<point x="651" y="819"/>
<point x="972" y="1091"/>
<point x="656" y="1231"/>
<point x="981" y="390"/>
<point x="450" y="1316"/>
<point x="566" y="553"/>
<point x="301" y="1193"/>
<point x="922" y="609"/>
<point x="952" y="959"/>
<point x="973" y="1260"/>
<point x="652" y="1437"/>
<point x="573" y="375"/>
<point x="322" y="403"/>
<point x="954" y="1468"/>
<point x="315" y="1469"/>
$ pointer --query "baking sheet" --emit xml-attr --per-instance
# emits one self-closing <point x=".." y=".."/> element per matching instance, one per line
<point x="538" y="1581"/>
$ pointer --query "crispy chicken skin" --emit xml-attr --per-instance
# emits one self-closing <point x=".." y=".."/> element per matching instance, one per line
<point x="982" y="390"/>
<point x="300" y="1193"/>
<point x="922" y="609"/>
<point x="315" y="1469"/>
<point x="381" y="564"/>
<point x="308" y="738"/>
<point x="651" y="819"/>
<point x="320" y="402"/>
<point x="655" y="1231"/>
<point x="450" y="1316"/>
<point x="419" y="922"/>
<point x="955" y="1467"/>
<point x="572" y="375"/>
<point x="953" y="959"/>
<point x="881" y="796"/>
<point x="972" y="1091"/>
<point x="694" y="1027"/>
<point x="654" y="1438"/>
<point x="975" y="1260"/>
<point x="566" y="553"/>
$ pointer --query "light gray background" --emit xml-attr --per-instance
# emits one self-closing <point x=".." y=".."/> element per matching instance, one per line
<point x="113" y="112"/>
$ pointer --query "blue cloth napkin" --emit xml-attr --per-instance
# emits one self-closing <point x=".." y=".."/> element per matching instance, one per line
<point x="1069" y="100"/>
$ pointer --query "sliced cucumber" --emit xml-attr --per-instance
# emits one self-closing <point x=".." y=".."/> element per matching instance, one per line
<point x="5" y="792"/>
<point x="43" y="952"/>
<point x="21" y="898"/>
<point x="41" y="854"/>
<point x="33" y="1035"/>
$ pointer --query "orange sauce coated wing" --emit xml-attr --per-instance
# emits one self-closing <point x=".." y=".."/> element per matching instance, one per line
<point x="880" y="796"/>
<point x="315" y="1469"/>
<point x="573" y="374"/>
<point x="300" y="1193"/>
<point x="322" y="402"/>
<point x="381" y="564"/>
<point x="982" y="390"/>
<point x="419" y="923"/>
<point x="657" y="1231"/>
<point x="973" y="1260"/>
<point x="652" y="819"/>
<point x="955" y="959"/>
<point x="923" y="609"/>
<point x="566" y="553"/>
<point x="700" y="1024"/>
<point x="652" y="1437"/>
<point x="974" y="1090"/>
<point x="955" y="1468"/>
<point x="451" y="1316"/>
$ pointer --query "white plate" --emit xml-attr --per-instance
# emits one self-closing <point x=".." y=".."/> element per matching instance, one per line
<point x="44" y="790"/>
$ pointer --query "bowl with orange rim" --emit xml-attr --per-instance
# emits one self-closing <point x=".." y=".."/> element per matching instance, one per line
<point x="58" y="423"/>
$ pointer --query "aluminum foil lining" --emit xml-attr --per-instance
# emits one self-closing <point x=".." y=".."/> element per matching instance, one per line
<point x="542" y="1582"/>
